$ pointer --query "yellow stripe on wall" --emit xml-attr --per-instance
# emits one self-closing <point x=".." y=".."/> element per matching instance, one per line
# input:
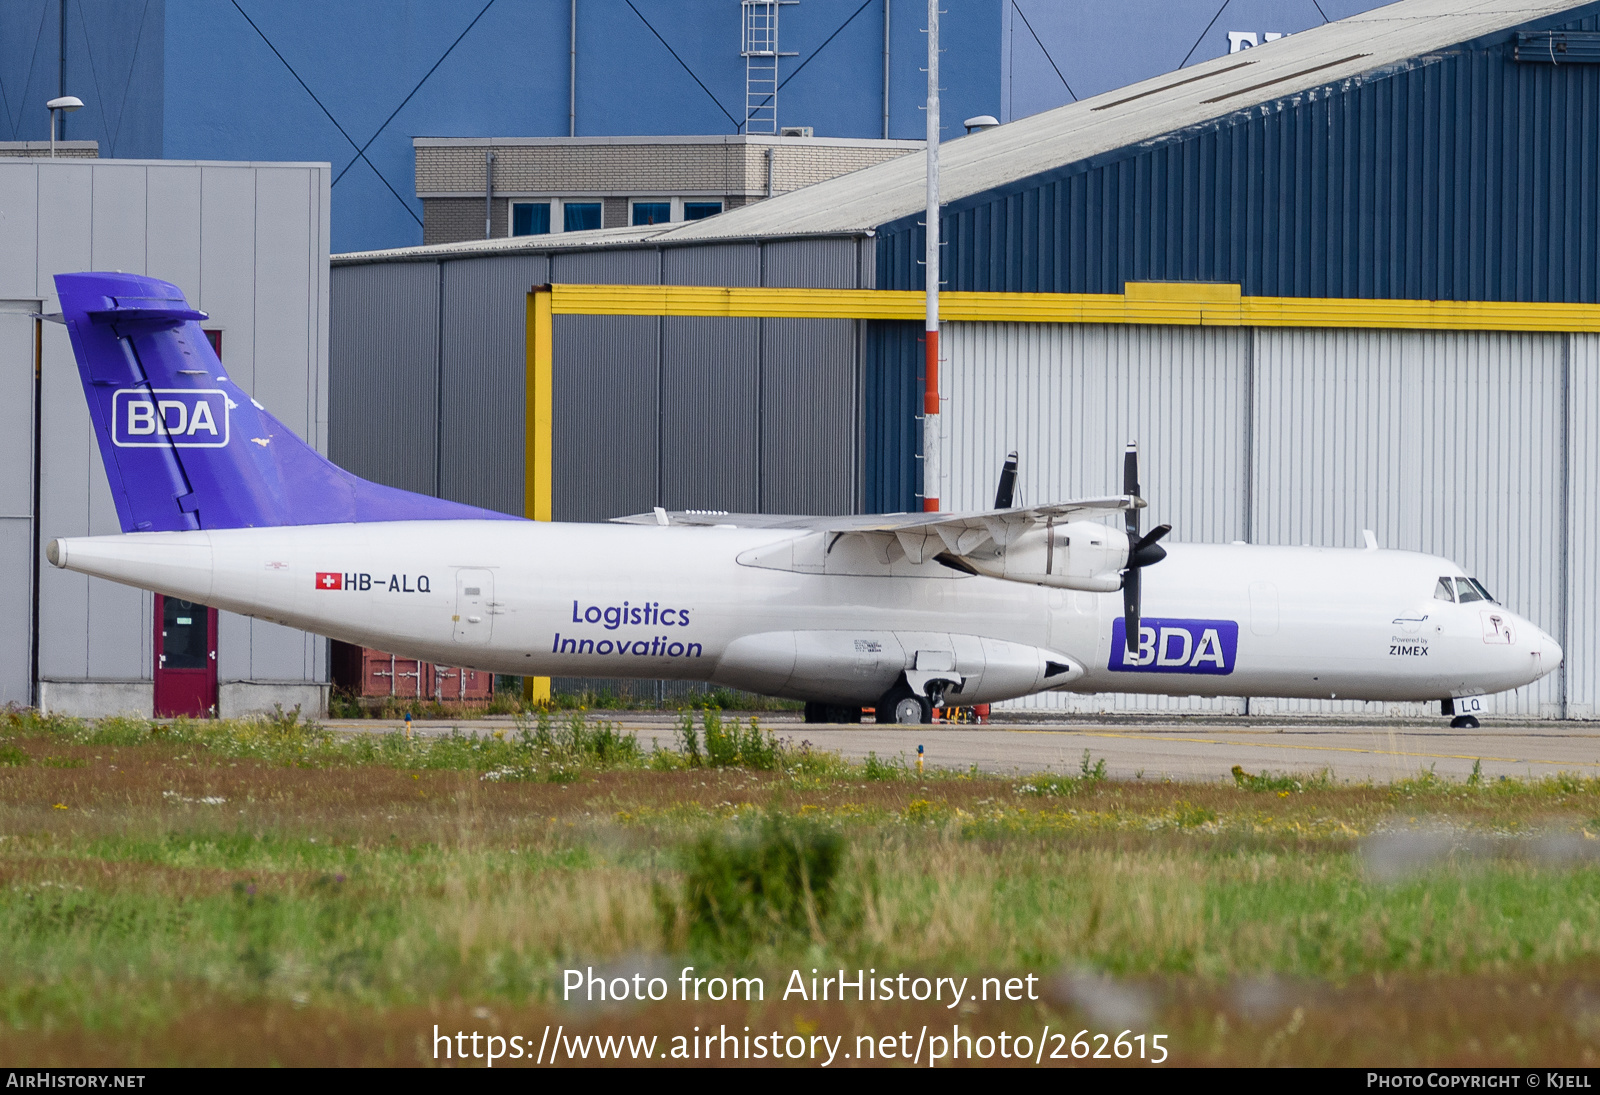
<point x="1156" y="303"/>
<point x="538" y="479"/>
<point x="540" y="397"/>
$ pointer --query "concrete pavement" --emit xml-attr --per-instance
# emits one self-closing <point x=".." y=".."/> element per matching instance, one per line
<point x="1167" y="748"/>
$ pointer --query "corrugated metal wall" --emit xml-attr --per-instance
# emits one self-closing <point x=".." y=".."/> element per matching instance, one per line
<point x="891" y="423"/>
<point x="745" y="415"/>
<point x="1464" y="175"/>
<point x="383" y="398"/>
<point x="1580" y="635"/>
<point x="701" y="413"/>
<point x="483" y="379"/>
<point x="1451" y="443"/>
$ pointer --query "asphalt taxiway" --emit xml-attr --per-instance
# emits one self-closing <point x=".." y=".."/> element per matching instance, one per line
<point x="1175" y="749"/>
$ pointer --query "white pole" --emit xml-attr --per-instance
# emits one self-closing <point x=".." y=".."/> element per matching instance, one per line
<point x="931" y="469"/>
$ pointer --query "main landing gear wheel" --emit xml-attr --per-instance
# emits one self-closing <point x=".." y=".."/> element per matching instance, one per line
<point x="903" y="706"/>
<point x="1464" y="722"/>
<point x="832" y="712"/>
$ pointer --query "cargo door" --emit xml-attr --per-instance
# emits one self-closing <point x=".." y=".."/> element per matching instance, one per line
<point x="474" y="619"/>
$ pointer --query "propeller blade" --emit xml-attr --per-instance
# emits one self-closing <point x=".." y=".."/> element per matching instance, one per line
<point x="1130" y="486"/>
<point x="1146" y="552"/>
<point x="1130" y="577"/>
<point x="1130" y="607"/>
<point x="1006" y="492"/>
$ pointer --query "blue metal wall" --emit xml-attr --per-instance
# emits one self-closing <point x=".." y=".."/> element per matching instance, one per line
<point x="352" y="82"/>
<point x="114" y="63"/>
<point x="891" y="401"/>
<point x="1462" y="175"/>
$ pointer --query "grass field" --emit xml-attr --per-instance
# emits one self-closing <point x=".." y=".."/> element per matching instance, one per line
<point x="266" y="892"/>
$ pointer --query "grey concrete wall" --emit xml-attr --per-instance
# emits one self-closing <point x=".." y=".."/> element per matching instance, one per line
<point x="699" y="413"/>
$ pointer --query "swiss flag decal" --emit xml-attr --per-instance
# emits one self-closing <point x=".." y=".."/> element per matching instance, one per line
<point x="329" y="581"/>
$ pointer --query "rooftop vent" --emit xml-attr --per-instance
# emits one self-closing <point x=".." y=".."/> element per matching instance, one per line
<point x="982" y="121"/>
<point x="795" y="131"/>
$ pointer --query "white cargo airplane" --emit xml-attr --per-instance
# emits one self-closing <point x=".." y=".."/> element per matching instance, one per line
<point x="222" y="505"/>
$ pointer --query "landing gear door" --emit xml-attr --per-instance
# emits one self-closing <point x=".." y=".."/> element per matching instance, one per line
<point x="474" y="616"/>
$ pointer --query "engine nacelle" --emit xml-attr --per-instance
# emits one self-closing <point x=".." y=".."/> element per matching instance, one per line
<point x="1082" y="555"/>
<point x="857" y="667"/>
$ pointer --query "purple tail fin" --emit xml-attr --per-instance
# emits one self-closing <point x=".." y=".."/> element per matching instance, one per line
<point x="186" y="448"/>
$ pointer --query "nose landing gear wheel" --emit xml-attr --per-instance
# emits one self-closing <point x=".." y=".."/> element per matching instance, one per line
<point x="1464" y="722"/>
<point x="913" y="709"/>
<point x="903" y="706"/>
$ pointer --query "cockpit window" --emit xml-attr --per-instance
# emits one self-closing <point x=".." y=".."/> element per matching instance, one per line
<point x="1468" y="590"/>
<point x="1444" y="591"/>
<point x="1484" y="593"/>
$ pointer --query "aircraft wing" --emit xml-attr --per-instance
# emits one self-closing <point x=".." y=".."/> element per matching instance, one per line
<point x="919" y="534"/>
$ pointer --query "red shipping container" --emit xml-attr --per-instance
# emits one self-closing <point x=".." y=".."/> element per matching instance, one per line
<point x="366" y="672"/>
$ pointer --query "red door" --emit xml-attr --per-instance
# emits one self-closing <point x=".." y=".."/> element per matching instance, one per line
<point x="186" y="658"/>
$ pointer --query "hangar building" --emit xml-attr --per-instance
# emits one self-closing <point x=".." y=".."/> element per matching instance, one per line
<point x="248" y="244"/>
<point x="1346" y="280"/>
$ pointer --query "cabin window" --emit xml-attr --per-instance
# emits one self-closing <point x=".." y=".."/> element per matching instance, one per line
<point x="1444" y="591"/>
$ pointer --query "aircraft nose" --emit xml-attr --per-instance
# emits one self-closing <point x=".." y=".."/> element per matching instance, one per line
<point x="1550" y="653"/>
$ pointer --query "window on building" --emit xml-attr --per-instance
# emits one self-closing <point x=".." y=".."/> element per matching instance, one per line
<point x="694" y="211"/>
<point x="580" y="216"/>
<point x="215" y="338"/>
<point x="652" y="212"/>
<point x="530" y="218"/>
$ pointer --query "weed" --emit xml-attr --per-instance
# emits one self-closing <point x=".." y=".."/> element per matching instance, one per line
<point x="1283" y="782"/>
<point x="1049" y="785"/>
<point x="1186" y="815"/>
<point x="1425" y="782"/>
<point x="689" y="738"/>
<point x="717" y="745"/>
<point x="1090" y="773"/>
<point x="763" y="888"/>
<point x="877" y="770"/>
<point x="345" y="705"/>
<point x="12" y="757"/>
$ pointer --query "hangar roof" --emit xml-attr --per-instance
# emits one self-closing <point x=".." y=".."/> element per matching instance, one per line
<point x="1363" y="44"/>
<point x="1340" y="53"/>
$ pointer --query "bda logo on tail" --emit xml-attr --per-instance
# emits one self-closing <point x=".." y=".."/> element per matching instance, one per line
<point x="185" y="418"/>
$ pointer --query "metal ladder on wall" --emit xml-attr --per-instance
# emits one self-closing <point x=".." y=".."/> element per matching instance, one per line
<point x="758" y="45"/>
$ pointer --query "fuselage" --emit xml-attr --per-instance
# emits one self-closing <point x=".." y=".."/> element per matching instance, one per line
<point x="821" y="618"/>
